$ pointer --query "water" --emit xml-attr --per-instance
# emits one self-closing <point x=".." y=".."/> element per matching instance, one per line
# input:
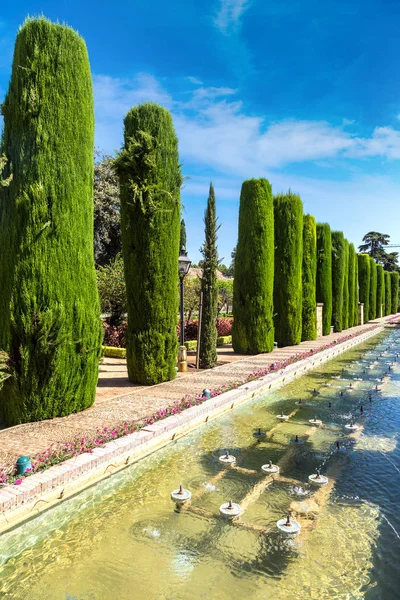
<point x="124" y="539"/>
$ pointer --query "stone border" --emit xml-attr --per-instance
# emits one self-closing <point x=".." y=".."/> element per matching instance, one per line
<point x="41" y="491"/>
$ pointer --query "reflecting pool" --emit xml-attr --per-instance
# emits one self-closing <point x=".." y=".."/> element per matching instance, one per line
<point x="125" y="539"/>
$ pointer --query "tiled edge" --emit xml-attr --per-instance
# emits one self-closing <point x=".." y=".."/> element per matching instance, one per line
<point x="18" y="503"/>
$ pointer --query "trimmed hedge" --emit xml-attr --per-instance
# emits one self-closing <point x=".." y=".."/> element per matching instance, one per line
<point x="338" y="268"/>
<point x="394" y="287"/>
<point x="364" y="281"/>
<point x="353" y="289"/>
<point x="309" y="317"/>
<point x="324" y="274"/>
<point x="112" y="352"/>
<point x="49" y="307"/>
<point x="388" y="293"/>
<point x="346" y="296"/>
<point x="253" y="329"/>
<point x="150" y="179"/>
<point x="222" y="340"/>
<point x="380" y="291"/>
<point x="288" y="213"/>
<point x="356" y="291"/>
<point x="372" y="290"/>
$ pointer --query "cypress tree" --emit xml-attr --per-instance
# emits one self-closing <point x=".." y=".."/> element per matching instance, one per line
<point x="352" y="284"/>
<point x="388" y="293"/>
<point x="394" y="289"/>
<point x="345" y="311"/>
<point x="182" y="238"/>
<point x="209" y="287"/>
<point x="49" y="309"/>
<point x="338" y="268"/>
<point x="364" y="280"/>
<point x="324" y="274"/>
<point x="253" y="330"/>
<point x="288" y="215"/>
<point x="309" y="317"/>
<point x="356" y="290"/>
<point x="150" y="180"/>
<point x="372" y="290"/>
<point x="380" y="291"/>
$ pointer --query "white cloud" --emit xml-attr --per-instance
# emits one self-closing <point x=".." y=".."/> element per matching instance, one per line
<point x="194" y="80"/>
<point x="229" y="15"/>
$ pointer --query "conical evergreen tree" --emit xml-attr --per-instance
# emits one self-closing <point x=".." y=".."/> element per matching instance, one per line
<point x="253" y="330"/>
<point x="364" y="281"/>
<point x="356" y="291"/>
<point x="388" y="293"/>
<point x="150" y="180"/>
<point x="288" y="298"/>
<point x="209" y="287"/>
<point x="345" y="311"/>
<point x="182" y="238"/>
<point x="324" y="274"/>
<point x="49" y="309"/>
<point x="309" y="317"/>
<point x="394" y="289"/>
<point x="372" y="290"/>
<point x="380" y="291"/>
<point x="338" y="268"/>
<point x="352" y="285"/>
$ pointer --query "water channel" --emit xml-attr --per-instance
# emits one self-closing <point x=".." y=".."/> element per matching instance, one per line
<point x="125" y="539"/>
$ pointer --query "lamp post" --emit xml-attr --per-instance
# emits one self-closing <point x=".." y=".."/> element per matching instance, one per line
<point x="183" y="268"/>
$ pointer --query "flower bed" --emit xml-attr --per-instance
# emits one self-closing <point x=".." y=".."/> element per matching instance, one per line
<point x="61" y="451"/>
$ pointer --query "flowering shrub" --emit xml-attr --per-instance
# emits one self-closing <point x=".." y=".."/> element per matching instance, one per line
<point x="115" y="335"/>
<point x="224" y="326"/>
<point x="59" y="452"/>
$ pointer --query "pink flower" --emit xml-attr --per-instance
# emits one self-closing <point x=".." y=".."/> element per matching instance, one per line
<point x="18" y="482"/>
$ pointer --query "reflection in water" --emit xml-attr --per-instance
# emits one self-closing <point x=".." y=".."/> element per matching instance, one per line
<point x="123" y="539"/>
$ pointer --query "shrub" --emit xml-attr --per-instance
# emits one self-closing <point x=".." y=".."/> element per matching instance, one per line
<point x="150" y="180"/>
<point x="112" y="352"/>
<point x="112" y="290"/>
<point x="288" y="213"/>
<point x="372" y="290"/>
<point x="324" y="274"/>
<point x="115" y="335"/>
<point x="380" y="291"/>
<point x="388" y="293"/>
<point x="394" y="289"/>
<point x="356" y="290"/>
<point x="345" y="310"/>
<point x="224" y="326"/>
<point x="253" y="330"/>
<point x="49" y="306"/>
<point x="338" y="267"/>
<point x="353" y="289"/>
<point x="364" y="281"/>
<point x="309" y="317"/>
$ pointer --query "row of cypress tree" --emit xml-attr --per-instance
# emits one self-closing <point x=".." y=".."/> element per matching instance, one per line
<point x="286" y="264"/>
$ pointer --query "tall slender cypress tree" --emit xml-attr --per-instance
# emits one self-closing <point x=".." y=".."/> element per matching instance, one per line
<point x="356" y="291"/>
<point x="49" y="310"/>
<point x="388" y="294"/>
<point x="364" y="280"/>
<point x="150" y="180"/>
<point x="352" y="283"/>
<point x="338" y="268"/>
<point x="394" y="289"/>
<point x="309" y="317"/>
<point x="209" y="287"/>
<point x="182" y="237"/>
<point x="288" y="215"/>
<point x="372" y="290"/>
<point x="324" y="274"/>
<point x="380" y="291"/>
<point x="345" y="310"/>
<point x="253" y="330"/>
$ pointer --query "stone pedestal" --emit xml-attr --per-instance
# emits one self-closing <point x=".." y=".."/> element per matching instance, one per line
<point x="361" y="313"/>
<point x="319" y="316"/>
<point x="182" y="359"/>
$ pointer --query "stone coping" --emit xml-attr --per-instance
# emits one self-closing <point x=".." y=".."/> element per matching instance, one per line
<point x="43" y="490"/>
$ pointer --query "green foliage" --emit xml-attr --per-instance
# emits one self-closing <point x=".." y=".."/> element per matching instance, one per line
<point x="191" y="345"/>
<point x="209" y="287"/>
<point x="225" y="295"/>
<point x="338" y="269"/>
<point x="324" y="274"/>
<point x="388" y="293"/>
<point x="309" y="317"/>
<point x="364" y="282"/>
<point x="112" y="352"/>
<point x="191" y="298"/>
<point x="372" y="290"/>
<point x="49" y="324"/>
<point x="380" y="291"/>
<point x="150" y="180"/>
<point x="224" y="340"/>
<point x="182" y="238"/>
<point x="356" y="291"/>
<point x="107" y="222"/>
<point x="345" y="310"/>
<point x="353" y="291"/>
<point x="253" y="330"/>
<point x="288" y="213"/>
<point x="394" y="290"/>
<point x="112" y="290"/>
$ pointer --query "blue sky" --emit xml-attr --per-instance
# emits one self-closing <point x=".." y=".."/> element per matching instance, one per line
<point x="302" y="92"/>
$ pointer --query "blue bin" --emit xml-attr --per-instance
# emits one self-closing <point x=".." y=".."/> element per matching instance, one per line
<point x="23" y="463"/>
